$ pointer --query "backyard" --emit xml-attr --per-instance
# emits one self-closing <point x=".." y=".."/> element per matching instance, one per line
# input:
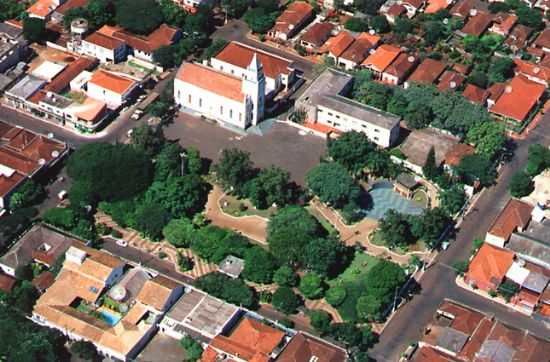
<point x="353" y="280"/>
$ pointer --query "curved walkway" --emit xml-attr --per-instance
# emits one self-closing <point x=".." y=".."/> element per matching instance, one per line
<point x="253" y="227"/>
<point x="358" y="233"/>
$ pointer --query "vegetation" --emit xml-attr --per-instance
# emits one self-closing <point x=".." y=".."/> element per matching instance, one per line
<point x="332" y="184"/>
<point x="259" y="265"/>
<point x="262" y="17"/>
<point x="284" y="300"/>
<point x="34" y="30"/>
<point x="320" y="320"/>
<point x="179" y="232"/>
<point x="11" y="9"/>
<point x="452" y="199"/>
<point x="478" y="168"/>
<point x="285" y="277"/>
<point x="538" y="159"/>
<point x="311" y="286"/>
<point x="521" y="184"/>
<point x="84" y="350"/>
<point x="193" y="349"/>
<point x="138" y="16"/>
<point x="234" y="291"/>
<point x="28" y="194"/>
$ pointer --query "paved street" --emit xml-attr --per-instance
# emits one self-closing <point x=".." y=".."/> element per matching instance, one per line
<point x="237" y="30"/>
<point x="439" y="281"/>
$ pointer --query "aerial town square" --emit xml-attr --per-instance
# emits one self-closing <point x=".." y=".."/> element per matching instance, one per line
<point x="275" y="180"/>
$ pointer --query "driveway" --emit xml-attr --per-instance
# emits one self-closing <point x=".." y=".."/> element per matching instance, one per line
<point x="438" y="282"/>
<point x="282" y="145"/>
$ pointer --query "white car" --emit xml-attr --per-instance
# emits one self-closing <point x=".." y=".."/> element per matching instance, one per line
<point x="137" y="114"/>
<point x="62" y="195"/>
<point x="121" y="242"/>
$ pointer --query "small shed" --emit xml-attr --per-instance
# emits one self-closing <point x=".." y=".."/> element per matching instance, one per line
<point x="231" y="266"/>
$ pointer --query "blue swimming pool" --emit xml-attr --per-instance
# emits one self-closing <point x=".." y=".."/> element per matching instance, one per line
<point x="111" y="318"/>
<point x="383" y="198"/>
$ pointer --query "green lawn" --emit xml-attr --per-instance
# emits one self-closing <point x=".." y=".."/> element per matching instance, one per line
<point x="243" y="207"/>
<point x="377" y="239"/>
<point x="353" y="280"/>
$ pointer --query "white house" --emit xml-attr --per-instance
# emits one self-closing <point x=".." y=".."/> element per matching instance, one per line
<point x="105" y="48"/>
<point x="237" y="101"/>
<point x="235" y="57"/>
<point x="110" y="88"/>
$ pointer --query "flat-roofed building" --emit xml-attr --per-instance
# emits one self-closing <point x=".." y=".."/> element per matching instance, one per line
<point x="199" y="313"/>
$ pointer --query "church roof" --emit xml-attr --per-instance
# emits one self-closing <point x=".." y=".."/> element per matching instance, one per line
<point x="211" y="80"/>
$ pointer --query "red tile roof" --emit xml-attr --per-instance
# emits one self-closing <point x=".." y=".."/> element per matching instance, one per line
<point x="357" y="51"/>
<point x="104" y="41"/>
<point x="475" y="94"/>
<point x="211" y="80"/>
<point x="477" y="25"/>
<point x="396" y="10"/>
<point x="435" y="5"/>
<point x="537" y="71"/>
<point x="382" y="57"/>
<point x="427" y="72"/>
<point x="489" y="266"/>
<point x="44" y="280"/>
<point x="457" y="152"/>
<point x="516" y="214"/>
<point x="518" y="99"/>
<point x="164" y="35"/>
<point x="464" y="319"/>
<point x="503" y="23"/>
<point x="241" y="55"/>
<point x="428" y="354"/>
<point x="62" y="80"/>
<point x="250" y="340"/>
<point x="543" y="40"/>
<point x="112" y="82"/>
<point x="294" y="15"/>
<point x="42" y="8"/>
<point x="338" y="44"/>
<point x="401" y="66"/>
<point x="6" y="283"/>
<point x="71" y="4"/>
<point x="450" y="81"/>
<point x="304" y="348"/>
<point x="318" y="34"/>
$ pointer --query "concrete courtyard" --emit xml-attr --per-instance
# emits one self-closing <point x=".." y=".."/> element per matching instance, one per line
<point x="282" y="145"/>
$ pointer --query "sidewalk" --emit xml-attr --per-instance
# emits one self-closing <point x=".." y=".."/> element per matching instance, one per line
<point x="253" y="227"/>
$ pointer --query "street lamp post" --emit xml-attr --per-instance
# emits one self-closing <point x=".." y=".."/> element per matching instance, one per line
<point x="183" y="156"/>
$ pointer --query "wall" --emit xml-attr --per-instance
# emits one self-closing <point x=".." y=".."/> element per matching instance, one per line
<point x="210" y="104"/>
<point x="271" y="84"/>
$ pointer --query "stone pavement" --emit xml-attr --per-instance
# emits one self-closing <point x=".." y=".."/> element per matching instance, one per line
<point x="253" y="227"/>
<point x="137" y="241"/>
<point x="358" y="233"/>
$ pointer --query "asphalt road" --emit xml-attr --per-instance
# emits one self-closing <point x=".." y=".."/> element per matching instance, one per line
<point x="438" y="282"/>
<point x="237" y="30"/>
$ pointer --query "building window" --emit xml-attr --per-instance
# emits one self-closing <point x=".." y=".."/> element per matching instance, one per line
<point x="337" y="116"/>
<point x="376" y="138"/>
<point x="189" y="98"/>
<point x="330" y="113"/>
<point x="240" y="116"/>
<point x="376" y="130"/>
<point x="221" y="110"/>
<point x="230" y="113"/>
<point x="200" y="102"/>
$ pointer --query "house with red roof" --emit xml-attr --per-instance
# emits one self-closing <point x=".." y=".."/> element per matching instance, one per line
<point x="543" y="41"/>
<point x="43" y="9"/>
<point x="291" y="21"/>
<point x="475" y="94"/>
<point x="358" y="50"/>
<point x="450" y="81"/>
<point x="112" y="44"/>
<point x="477" y="24"/>
<point x="514" y="217"/>
<point x="539" y="73"/>
<point x="381" y="59"/>
<point x="316" y="36"/>
<point x="230" y="99"/>
<point x="235" y="58"/>
<point x="519" y="99"/>
<point x="489" y="267"/>
<point x="399" y="69"/>
<point x="250" y="341"/>
<point x="112" y="89"/>
<point x="503" y="24"/>
<point x="428" y="72"/>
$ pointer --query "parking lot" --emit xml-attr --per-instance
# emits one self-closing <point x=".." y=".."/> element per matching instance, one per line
<point x="282" y="145"/>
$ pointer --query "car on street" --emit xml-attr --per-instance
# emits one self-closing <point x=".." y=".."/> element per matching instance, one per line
<point x="137" y="114"/>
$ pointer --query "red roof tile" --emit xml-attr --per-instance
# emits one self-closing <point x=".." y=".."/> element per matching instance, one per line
<point x="477" y="25"/>
<point x="211" y="80"/>
<point x="382" y="57"/>
<point x="6" y="283"/>
<point x="518" y="99"/>
<point x="538" y="72"/>
<point x="112" y="82"/>
<point x="543" y="40"/>
<point x="318" y="34"/>
<point x="304" y="348"/>
<point x="71" y="4"/>
<point x="516" y="214"/>
<point x="338" y="44"/>
<point x="489" y="266"/>
<point x="457" y="152"/>
<point x="294" y="15"/>
<point x="427" y="72"/>
<point x="241" y="56"/>
<point x="450" y="81"/>
<point x="475" y="94"/>
<point x="401" y="66"/>
<point x="62" y="80"/>
<point x="104" y="41"/>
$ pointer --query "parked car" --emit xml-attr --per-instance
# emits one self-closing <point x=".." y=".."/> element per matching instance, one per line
<point x="122" y="242"/>
<point x="137" y="114"/>
<point x="62" y="195"/>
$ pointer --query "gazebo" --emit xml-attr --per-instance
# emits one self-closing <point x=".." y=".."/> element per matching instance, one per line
<point x="405" y="184"/>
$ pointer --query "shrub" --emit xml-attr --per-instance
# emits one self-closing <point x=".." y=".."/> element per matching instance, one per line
<point x="284" y="300"/>
<point x="193" y="349"/>
<point x="320" y="320"/>
<point x="285" y="276"/>
<point x="335" y="296"/>
<point x="311" y="286"/>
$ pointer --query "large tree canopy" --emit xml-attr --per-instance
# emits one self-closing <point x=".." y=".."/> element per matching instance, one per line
<point x="332" y="183"/>
<point x="289" y="231"/>
<point x="112" y="172"/>
<point x="234" y="169"/>
<point x="138" y="16"/>
<point x="351" y="150"/>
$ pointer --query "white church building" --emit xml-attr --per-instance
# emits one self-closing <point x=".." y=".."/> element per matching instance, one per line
<point x="235" y="101"/>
